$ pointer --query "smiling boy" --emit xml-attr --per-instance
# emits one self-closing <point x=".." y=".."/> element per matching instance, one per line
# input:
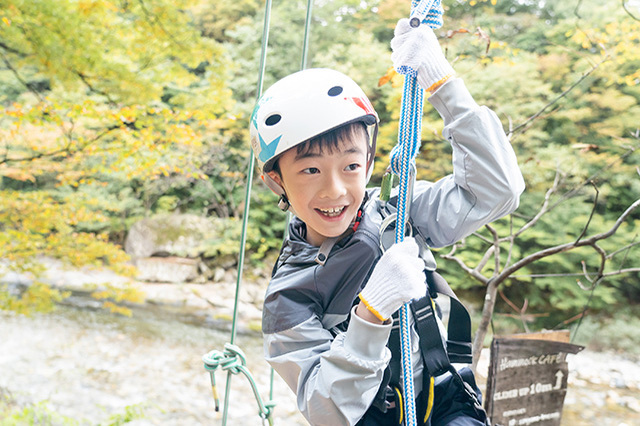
<point x="334" y="288"/>
<point x="326" y="182"/>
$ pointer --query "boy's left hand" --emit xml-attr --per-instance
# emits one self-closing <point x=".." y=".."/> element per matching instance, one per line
<point x="416" y="52"/>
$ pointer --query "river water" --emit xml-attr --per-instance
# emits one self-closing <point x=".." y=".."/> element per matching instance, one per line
<point x="93" y="367"/>
<point x="90" y="366"/>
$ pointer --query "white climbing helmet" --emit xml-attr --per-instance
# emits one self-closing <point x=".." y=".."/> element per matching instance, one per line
<point x="304" y="105"/>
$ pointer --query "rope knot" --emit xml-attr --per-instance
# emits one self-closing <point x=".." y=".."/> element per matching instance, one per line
<point x="230" y="359"/>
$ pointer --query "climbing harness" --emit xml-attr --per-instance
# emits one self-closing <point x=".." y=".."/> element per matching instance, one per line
<point x="437" y="356"/>
<point x="232" y="359"/>
<point x="403" y="164"/>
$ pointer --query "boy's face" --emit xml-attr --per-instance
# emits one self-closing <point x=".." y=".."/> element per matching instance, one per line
<point x="325" y="187"/>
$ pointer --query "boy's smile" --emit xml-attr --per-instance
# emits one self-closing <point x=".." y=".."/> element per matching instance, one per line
<point x="325" y="186"/>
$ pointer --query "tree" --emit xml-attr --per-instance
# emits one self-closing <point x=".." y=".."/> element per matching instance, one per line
<point x="506" y="265"/>
<point x="572" y="122"/>
<point x="103" y="100"/>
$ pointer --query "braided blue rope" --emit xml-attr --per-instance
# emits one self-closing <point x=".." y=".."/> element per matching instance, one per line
<point x="402" y="162"/>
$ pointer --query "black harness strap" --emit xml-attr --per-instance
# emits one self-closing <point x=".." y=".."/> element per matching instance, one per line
<point x="459" y="347"/>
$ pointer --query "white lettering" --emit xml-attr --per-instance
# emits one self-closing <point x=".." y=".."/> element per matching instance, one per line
<point x="539" y="418"/>
<point x="506" y="363"/>
<point x="516" y="412"/>
<point x="545" y="359"/>
<point x="508" y="394"/>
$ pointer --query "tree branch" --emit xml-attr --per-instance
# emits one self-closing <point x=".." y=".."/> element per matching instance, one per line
<point x="593" y="210"/>
<point x="496" y="246"/>
<point x="560" y="96"/>
<point x="568" y="246"/>
<point x="495" y="281"/>
<point x="624" y="6"/>
<point x="151" y="17"/>
<point x="593" y="177"/>
<point x="85" y="80"/>
<point x="17" y="75"/>
<point x="627" y="247"/>
<point x="545" y="205"/>
<point x="485" y="259"/>
<point x="55" y="153"/>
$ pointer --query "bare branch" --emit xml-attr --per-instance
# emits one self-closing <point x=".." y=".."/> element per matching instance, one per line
<point x="593" y="210"/>
<point x="545" y="205"/>
<point x="624" y="6"/>
<point x="568" y="246"/>
<point x="625" y="248"/>
<point x="17" y="75"/>
<point x="475" y="274"/>
<point x="621" y="271"/>
<point x="511" y="240"/>
<point x="593" y="177"/>
<point x="485" y="259"/>
<point x="557" y="98"/>
<point x="482" y="238"/>
<point x="496" y="245"/>
<point x="521" y="311"/>
<point x="85" y="80"/>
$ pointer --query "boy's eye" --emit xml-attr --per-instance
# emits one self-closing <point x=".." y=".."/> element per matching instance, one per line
<point x="352" y="167"/>
<point x="311" y="170"/>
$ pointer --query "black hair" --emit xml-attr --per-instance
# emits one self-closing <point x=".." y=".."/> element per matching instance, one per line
<point x="330" y="140"/>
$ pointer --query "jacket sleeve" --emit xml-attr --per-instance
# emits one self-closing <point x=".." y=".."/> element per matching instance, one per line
<point x="335" y="380"/>
<point x="486" y="182"/>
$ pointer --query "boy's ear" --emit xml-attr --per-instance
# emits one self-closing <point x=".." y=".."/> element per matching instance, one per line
<point x="275" y="176"/>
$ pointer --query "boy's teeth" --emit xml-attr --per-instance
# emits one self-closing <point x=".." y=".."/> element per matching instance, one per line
<point x="332" y="211"/>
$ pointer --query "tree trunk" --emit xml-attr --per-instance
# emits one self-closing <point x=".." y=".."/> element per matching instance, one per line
<point x="485" y="321"/>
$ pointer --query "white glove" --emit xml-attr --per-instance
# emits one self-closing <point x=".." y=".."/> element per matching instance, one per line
<point x="416" y="52"/>
<point x="397" y="279"/>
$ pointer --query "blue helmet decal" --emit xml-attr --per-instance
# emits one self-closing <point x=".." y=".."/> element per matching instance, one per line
<point x="254" y="113"/>
<point x="267" y="151"/>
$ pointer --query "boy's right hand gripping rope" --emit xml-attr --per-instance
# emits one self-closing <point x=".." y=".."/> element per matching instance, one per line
<point x="397" y="279"/>
<point x="403" y="155"/>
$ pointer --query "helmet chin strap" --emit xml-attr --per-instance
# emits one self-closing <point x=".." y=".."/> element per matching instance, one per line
<point x="283" y="201"/>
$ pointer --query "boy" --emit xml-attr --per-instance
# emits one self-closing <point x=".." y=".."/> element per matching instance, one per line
<point x="326" y="314"/>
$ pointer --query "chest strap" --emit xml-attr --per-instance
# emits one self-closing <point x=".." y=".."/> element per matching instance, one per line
<point x="436" y="356"/>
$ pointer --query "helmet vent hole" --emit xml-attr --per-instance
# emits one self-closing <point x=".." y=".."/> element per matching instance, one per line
<point x="335" y="91"/>
<point x="273" y="119"/>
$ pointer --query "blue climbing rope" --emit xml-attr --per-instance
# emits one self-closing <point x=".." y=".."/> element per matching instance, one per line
<point x="403" y="156"/>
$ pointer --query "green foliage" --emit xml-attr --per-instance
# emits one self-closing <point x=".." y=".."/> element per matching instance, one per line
<point x="37" y="298"/>
<point x="131" y="413"/>
<point x="94" y="141"/>
<point x="611" y="333"/>
<point x="11" y="414"/>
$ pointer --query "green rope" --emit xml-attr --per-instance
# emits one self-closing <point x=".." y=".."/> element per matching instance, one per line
<point x="232" y="359"/>
<point x="211" y="360"/>
<point x="307" y="29"/>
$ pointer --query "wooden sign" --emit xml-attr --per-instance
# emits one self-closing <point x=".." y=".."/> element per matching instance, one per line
<point x="527" y="381"/>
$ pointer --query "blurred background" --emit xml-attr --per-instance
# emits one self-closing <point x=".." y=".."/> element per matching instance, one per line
<point x="124" y="156"/>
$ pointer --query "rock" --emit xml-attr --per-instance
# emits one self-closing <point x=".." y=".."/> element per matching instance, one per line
<point x="219" y="274"/>
<point x="184" y="235"/>
<point x="166" y="269"/>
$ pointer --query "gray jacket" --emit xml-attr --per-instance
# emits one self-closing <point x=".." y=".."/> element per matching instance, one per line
<point x="336" y="374"/>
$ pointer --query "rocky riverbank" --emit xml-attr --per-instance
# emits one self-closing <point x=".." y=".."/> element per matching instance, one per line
<point x="96" y="368"/>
